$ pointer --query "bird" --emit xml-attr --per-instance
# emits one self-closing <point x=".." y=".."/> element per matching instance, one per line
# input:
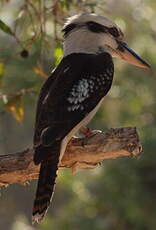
<point x="73" y="93"/>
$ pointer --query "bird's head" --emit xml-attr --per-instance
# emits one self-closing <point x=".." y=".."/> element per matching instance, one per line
<point x="91" y="33"/>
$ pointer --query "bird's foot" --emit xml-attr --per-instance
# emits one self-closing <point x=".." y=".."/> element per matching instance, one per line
<point x="86" y="131"/>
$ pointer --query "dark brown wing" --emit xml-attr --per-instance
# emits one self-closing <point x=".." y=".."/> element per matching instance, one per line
<point x="39" y="123"/>
<point x="73" y="90"/>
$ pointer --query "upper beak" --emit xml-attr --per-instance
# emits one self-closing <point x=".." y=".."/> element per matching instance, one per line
<point x="130" y="56"/>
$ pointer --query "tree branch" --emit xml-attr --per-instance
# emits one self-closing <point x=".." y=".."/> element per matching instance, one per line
<point x="85" y="153"/>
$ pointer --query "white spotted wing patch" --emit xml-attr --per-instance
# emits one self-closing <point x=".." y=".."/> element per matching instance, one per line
<point x="85" y="87"/>
<point x="79" y="93"/>
<point x="109" y="73"/>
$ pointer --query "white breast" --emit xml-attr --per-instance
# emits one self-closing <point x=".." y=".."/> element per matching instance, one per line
<point x="84" y="122"/>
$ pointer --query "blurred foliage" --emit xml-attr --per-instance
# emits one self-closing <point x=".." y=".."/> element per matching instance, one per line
<point x="119" y="194"/>
<point x="5" y="28"/>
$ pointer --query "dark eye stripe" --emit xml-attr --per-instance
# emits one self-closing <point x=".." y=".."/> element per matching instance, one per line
<point x="92" y="26"/>
<point x="113" y="31"/>
<point x="68" y="29"/>
<point x="96" y="27"/>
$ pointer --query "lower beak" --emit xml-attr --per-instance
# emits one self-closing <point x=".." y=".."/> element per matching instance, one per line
<point x="130" y="56"/>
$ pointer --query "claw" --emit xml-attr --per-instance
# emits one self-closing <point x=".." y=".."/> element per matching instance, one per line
<point x="85" y="131"/>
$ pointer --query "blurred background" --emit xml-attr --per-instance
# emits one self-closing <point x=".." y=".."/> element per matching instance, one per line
<point x="121" y="193"/>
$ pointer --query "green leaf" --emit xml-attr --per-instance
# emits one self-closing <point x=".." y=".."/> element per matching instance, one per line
<point x="58" y="52"/>
<point x="5" y="28"/>
<point x="2" y="71"/>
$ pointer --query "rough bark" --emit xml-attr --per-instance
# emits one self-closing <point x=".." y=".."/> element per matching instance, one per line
<point x="81" y="153"/>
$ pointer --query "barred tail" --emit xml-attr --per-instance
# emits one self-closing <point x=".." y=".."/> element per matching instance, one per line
<point x="45" y="188"/>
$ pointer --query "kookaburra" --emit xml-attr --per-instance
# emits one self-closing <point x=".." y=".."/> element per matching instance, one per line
<point x="73" y="93"/>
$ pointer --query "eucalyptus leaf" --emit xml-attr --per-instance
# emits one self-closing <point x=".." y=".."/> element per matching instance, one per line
<point x="58" y="53"/>
<point x="5" y="28"/>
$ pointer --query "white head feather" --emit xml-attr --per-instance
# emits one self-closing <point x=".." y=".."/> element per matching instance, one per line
<point x="85" y="41"/>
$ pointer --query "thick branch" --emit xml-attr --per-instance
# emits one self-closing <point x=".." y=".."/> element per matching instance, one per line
<point x="81" y="153"/>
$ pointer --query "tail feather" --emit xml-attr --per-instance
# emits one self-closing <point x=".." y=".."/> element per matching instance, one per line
<point x="42" y="153"/>
<point x="45" y="188"/>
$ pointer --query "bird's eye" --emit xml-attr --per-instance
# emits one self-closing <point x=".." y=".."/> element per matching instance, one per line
<point x="91" y="24"/>
<point x="113" y="31"/>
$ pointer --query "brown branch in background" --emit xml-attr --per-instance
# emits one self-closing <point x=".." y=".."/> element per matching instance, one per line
<point x="81" y="153"/>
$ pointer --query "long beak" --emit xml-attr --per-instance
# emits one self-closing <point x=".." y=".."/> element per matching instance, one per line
<point x="130" y="56"/>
